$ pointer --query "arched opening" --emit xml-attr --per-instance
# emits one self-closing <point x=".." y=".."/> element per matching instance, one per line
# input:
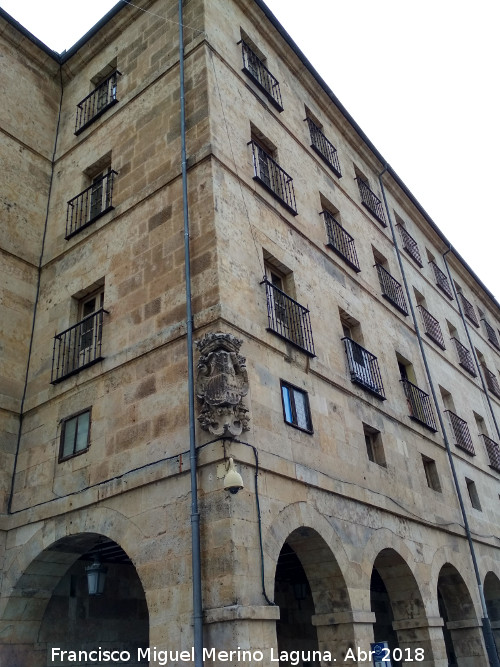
<point x="492" y="597"/>
<point x="400" y="618"/>
<point x="461" y="631"/>
<point x="309" y="585"/>
<point x="51" y="611"/>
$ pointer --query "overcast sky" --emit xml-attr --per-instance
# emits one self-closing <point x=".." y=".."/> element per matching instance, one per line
<point x="420" y="78"/>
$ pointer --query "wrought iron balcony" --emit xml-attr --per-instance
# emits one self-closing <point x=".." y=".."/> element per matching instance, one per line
<point x="324" y="148"/>
<point x="468" y="309"/>
<point x="493" y="452"/>
<point x="275" y="179"/>
<point x="465" y="357"/>
<point x="410" y="245"/>
<point x="491" y="333"/>
<point x="419" y="405"/>
<point x="370" y="201"/>
<point x="461" y="433"/>
<point x="94" y="105"/>
<point x="432" y="327"/>
<point x="364" y="368"/>
<point x="491" y="381"/>
<point x="89" y="205"/>
<point x="261" y="76"/>
<point x="340" y="241"/>
<point x="391" y="289"/>
<point x="288" y="319"/>
<point x="442" y="280"/>
<point x="78" y="347"/>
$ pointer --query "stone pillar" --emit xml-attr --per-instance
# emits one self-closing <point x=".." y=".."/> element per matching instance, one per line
<point x="422" y="633"/>
<point x="244" y="628"/>
<point x="347" y="635"/>
<point x="468" y="643"/>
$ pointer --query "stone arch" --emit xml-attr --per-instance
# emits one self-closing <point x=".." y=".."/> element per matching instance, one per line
<point x="48" y="574"/>
<point x="300" y="554"/>
<point x="491" y="589"/>
<point x="461" y="630"/>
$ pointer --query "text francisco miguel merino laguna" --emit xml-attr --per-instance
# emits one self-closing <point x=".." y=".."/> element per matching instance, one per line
<point x="163" y="657"/>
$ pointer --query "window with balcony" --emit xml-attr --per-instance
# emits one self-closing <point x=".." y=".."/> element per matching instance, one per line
<point x="491" y="381"/>
<point x="492" y="448"/>
<point x="363" y="365"/>
<point x="374" y="445"/>
<point x="491" y="333"/>
<point x="467" y="308"/>
<point x="296" y="409"/>
<point x="391" y="289"/>
<point x="254" y="67"/>
<point x="369" y="199"/>
<point x="431" y="473"/>
<point x="473" y="495"/>
<point x="102" y="97"/>
<point x="465" y="358"/>
<point x="418" y="401"/>
<point x="340" y="241"/>
<point x="409" y="244"/>
<point x="269" y="174"/>
<point x="75" y="435"/>
<point x="286" y="317"/>
<point x="431" y="326"/>
<point x="95" y="201"/>
<point x="323" y="147"/>
<point x="79" y="346"/>
<point x="461" y="433"/>
<point x="441" y="280"/>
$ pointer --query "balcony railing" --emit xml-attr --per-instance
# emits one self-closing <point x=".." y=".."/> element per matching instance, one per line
<point x="469" y="311"/>
<point x="340" y="241"/>
<point x="441" y="280"/>
<point x="90" y="204"/>
<point x="493" y="452"/>
<point x="461" y="433"/>
<point x="410" y="245"/>
<point x="364" y="368"/>
<point x="465" y="357"/>
<point x="288" y="319"/>
<point x="261" y="76"/>
<point x="370" y="201"/>
<point x="275" y="179"/>
<point x="419" y="405"/>
<point x="491" y="333"/>
<point x="391" y="289"/>
<point x="94" y="105"/>
<point x="491" y="381"/>
<point x="432" y="327"/>
<point x="78" y="347"/>
<point x="324" y="148"/>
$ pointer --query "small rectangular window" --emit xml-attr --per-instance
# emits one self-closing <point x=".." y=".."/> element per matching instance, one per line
<point x="374" y="447"/>
<point x="75" y="435"/>
<point x="474" y="498"/>
<point x="296" y="407"/>
<point x="431" y="474"/>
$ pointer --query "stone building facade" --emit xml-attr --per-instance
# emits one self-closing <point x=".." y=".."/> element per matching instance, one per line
<point x="346" y="360"/>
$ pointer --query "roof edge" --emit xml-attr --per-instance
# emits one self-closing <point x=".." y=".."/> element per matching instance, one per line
<point x="37" y="42"/>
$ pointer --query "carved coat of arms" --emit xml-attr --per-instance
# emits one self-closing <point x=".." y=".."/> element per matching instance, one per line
<point x="221" y="384"/>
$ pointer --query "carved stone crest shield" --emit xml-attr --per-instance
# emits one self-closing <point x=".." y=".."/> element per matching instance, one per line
<point x="221" y="384"/>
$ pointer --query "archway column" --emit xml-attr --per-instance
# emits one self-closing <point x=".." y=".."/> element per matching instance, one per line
<point x="341" y="631"/>
<point x="251" y="628"/>
<point x="495" y="626"/>
<point x="422" y="633"/>
<point x="468" y="643"/>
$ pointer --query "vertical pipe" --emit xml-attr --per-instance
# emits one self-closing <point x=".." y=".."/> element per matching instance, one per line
<point x="195" y="516"/>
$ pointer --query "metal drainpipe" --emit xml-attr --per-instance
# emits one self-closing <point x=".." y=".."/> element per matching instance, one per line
<point x="486" y="626"/>
<point x="466" y="327"/>
<point x="195" y="515"/>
